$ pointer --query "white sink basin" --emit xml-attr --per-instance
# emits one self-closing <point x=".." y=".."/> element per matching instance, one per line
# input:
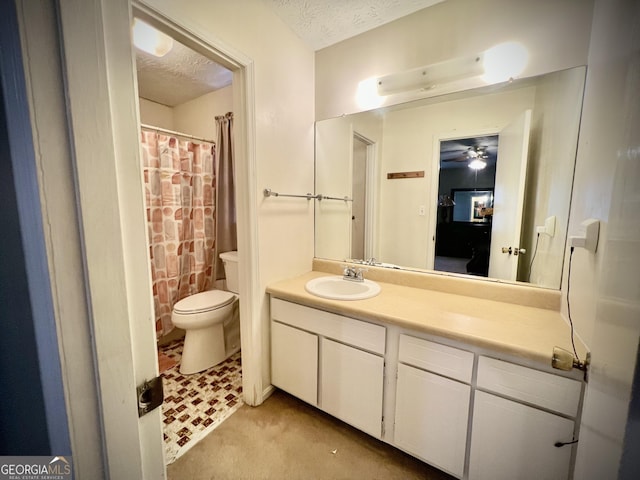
<point x="336" y="288"/>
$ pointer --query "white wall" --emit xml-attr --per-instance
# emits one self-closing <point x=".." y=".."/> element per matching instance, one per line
<point x="605" y="287"/>
<point x="156" y="114"/>
<point x="555" y="33"/>
<point x="197" y="117"/>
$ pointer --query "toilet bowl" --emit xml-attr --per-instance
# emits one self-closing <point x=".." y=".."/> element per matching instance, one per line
<point x="211" y="321"/>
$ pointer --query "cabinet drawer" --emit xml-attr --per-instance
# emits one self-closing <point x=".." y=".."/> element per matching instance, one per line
<point x="546" y="390"/>
<point x="343" y="329"/>
<point x="441" y="359"/>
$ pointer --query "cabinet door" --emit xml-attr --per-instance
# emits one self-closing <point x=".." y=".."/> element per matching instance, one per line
<point x="351" y="386"/>
<point x="294" y="362"/>
<point x="513" y="441"/>
<point x="432" y="414"/>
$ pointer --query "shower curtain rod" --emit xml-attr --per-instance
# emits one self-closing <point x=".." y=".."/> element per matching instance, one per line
<point x="171" y="132"/>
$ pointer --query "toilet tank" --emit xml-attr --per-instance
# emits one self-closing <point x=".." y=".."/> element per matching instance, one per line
<point x="230" y="260"/>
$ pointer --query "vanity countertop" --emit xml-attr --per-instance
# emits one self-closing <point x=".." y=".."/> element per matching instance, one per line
<point x="522" y="331"/>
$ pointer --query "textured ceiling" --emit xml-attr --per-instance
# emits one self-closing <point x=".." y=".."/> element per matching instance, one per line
<point x="181" y="75"/>
<point x="320" y="23"/>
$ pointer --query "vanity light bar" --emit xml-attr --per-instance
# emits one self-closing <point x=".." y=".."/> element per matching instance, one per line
<point x="500" y="63"/>
<point x="425" y="78"/>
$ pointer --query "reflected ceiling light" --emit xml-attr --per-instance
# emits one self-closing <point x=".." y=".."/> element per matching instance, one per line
<point x="367" y="95"/>
<point x="477" y="164"/>
<point x="150" y="40"/>
<point x="504" y="61"/>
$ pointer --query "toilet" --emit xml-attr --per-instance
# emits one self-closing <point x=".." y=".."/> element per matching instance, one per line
<point x="211" y="321"/>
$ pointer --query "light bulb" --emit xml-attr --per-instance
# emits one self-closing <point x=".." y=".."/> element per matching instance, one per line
<point x="504" y="62"/>
<point x="150" y="40"/>
<point x="367" y="95"/>
<point x="477" y="164"/>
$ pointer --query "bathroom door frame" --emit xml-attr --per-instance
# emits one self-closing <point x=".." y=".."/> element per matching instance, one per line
<point x="244" y="120"/>
<point x="103" y="120"/>
<point x="432" y="225"/>
<point x="370" y="168"/>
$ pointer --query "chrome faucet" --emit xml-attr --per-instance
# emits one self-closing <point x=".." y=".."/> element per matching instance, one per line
<point x="353" y="274"/>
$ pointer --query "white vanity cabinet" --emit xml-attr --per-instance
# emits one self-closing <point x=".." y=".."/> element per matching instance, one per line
<point x="449" y="404"/>
<point x="351" y="386"/>
<point x="294" y="362"/>
<point x="333" y="362"/>
<point x="514" y="437"/>
<point x="432" y="402"/>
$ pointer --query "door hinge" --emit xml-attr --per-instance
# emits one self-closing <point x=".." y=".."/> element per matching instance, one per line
<point x="150" y="395"/>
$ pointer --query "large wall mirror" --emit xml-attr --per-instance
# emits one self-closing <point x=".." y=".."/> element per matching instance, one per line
<point x="474" y="183"/>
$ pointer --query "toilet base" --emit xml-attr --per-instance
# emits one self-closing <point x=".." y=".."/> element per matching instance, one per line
<point x="203" y="348"/>
<point x="207" y="346"/>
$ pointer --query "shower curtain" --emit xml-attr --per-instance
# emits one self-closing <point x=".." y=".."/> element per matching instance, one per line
<point x="226" y="231"/>
<point x="179" y="180"/>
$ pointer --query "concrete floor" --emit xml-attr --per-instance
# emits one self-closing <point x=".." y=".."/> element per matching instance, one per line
<point x="285" y="438"/>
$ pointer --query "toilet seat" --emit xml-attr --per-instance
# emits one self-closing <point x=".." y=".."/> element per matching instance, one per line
<point x="203" y="302"/>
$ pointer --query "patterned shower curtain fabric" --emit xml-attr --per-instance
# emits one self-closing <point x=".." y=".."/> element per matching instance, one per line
<point x="179" y="179"/>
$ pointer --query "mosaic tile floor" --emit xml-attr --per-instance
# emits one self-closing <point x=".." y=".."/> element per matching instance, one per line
<point x="196" y="404"/>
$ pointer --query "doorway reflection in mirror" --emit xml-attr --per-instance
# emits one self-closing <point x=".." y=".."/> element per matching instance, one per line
<point x="465" y="204"/>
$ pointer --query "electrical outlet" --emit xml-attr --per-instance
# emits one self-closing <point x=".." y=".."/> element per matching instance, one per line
<point x="421" y="211"/>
